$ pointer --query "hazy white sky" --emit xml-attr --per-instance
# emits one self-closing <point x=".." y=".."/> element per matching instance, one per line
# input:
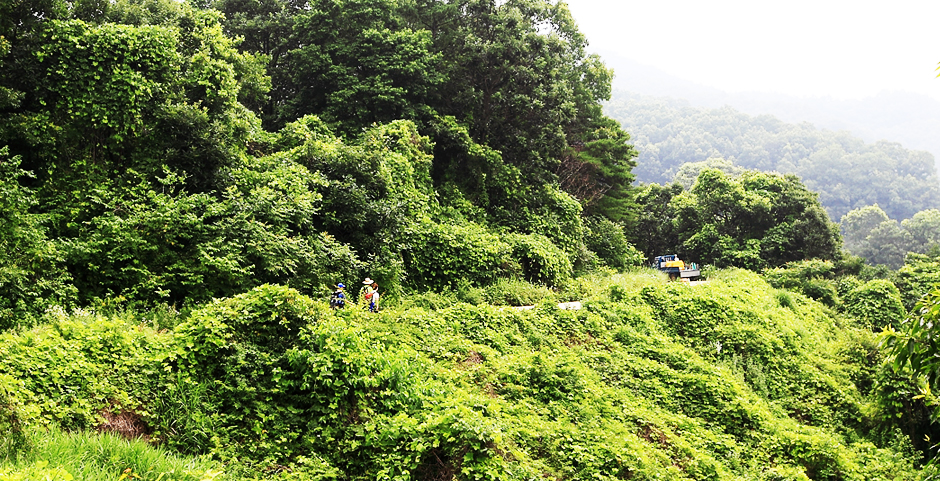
<point x="839" y="48"/>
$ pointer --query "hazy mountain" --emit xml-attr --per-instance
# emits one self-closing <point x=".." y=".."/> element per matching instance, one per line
<point x="908" y="118"/>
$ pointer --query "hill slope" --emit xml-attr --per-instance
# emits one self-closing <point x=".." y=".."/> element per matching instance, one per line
<point x="650" y="380"/>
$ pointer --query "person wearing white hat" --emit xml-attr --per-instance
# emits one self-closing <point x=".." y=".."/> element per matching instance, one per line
<point x="365" y="294"/>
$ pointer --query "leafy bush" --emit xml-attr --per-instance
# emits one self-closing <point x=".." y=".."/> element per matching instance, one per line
<point x="508" y="292"/>
<point x="77" y="368"/>
<point x="439" y="255"/>
<point x="919" y="274"/>
<point x="876" y="304"/>
<point x="608" y="241"/>
<point x="812" y="278"/>
<point x="542" y="262"/>
<point x="556" y="215"/>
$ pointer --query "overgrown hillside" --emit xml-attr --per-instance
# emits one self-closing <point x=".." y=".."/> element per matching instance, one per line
<point x="182" y="185"/>
<point x="650" y="380"/>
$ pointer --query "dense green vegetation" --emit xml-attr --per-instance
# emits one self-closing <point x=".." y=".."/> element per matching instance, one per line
<point x="150" y="158"/>
<point x="846" y="172"/>
<point x="181" y="184"/>
<point x="755" y="220"/>
<point x="651" y="380"/>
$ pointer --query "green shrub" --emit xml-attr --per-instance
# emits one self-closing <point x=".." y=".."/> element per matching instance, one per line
<point x="812" y="278"/>
<point x="607" y="239"/>
<point x="438" y="256"/>
<point x="848" y="284"/>
<point x="918" y="275"/>
<point x="876" y="304"/>
<point x="542" y="261"/>
<point x="78" y="367"/>
<point x="507" y="292"/>
<point x="556" y="215"/>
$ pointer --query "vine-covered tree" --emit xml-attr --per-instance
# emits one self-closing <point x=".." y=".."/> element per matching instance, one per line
<point x="514" y="76"/>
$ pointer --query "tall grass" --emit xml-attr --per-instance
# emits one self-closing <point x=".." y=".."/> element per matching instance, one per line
<point x="89" y="456"/>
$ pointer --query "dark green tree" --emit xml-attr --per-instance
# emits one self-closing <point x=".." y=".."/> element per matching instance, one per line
<point x="755" y="221"/>
<point x="655" y="229"/>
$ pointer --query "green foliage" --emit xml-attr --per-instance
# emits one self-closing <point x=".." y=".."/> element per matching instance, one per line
<point x="159" y="95"/>
<point x="599" y="173"/>
<point x="167" y="245"/>
<point x="13" y="419"/>
<point x="869" y="233"/>
<point x="32" y="276"/>
<point x="906" y="386"/>
<point x="557" y="216"/>
<point x="58" y="455"/>
<point x="812" y="278"/>
<point x="650" y="380"/>
<point x="155" y="185"/>
<point x="354" y="63"/>
<point x="506" y="93"/>
<point x="439" y="255"/>
<point x="846" y="172"/>
<point x="754" y="221"/>
<point x="918" y="276"/>
<point x="607" y="239"/>
<point x="508" y="292"/>
<point x="541" y="261"/>
<point x="79" y="368"/>
<point x="876" y="304"/>
<point x="690" y="171"/>
<point x="655" y="232"/>
<point x="288" y="378"/>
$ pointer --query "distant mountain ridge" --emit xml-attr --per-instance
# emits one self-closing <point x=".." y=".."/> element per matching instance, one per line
<point x="910" y="119"/>
<point x="847" y="172"/>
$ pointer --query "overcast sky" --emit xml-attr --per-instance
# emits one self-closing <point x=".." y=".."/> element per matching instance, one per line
<point x="844" y="49"/>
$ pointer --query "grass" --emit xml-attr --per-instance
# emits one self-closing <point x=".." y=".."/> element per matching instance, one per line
<point x="90" y="456"/>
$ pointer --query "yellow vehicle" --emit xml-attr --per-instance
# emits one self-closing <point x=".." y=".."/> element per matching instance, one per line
<point x="676" y="268"/>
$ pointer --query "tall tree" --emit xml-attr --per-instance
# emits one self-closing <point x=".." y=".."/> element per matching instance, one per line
<point x="754" y="221"/>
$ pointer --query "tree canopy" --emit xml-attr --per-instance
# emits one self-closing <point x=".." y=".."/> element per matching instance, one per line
<point x="175" y="152"/>
<point x="756" y="220"/>
<point x="846" y="172"/>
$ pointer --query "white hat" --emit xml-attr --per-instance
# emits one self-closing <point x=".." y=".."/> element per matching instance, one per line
<point x="367" y="281"/>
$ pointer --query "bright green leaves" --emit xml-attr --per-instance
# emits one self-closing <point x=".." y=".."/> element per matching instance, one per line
<point x="100" y="81"/>
<point x="876" y="304"/>
<point x="440" y="255"/>
<point x="32" y="276"/>
<point x="917" y="342"/>
<point x="289" y="380"/>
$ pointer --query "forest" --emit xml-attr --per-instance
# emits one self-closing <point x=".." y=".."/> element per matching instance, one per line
<point x="846" y="172"/>
<point x="183" y="185"/>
